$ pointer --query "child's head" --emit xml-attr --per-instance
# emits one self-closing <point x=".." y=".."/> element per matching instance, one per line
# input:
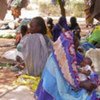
<point x="24" y="29"/>
<point x="87" y="61"/>
<point x="18" y="59"/>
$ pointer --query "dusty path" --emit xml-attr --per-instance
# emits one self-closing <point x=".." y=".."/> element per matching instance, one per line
<point x="19" y="93"/>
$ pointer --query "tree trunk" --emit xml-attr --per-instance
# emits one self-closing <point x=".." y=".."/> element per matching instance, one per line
<point x="61" y="4"/>
<point x="3" y="9"/>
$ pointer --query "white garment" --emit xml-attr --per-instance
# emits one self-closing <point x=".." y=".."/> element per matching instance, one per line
<point x="35" y="53"/>
<point x="84" y="77"/>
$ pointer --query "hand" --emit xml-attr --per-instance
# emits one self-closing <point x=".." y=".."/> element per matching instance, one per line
<point x="79" y="69"/>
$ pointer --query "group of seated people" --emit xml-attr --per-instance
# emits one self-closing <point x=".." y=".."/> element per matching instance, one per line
<point x="54" y="30"/>
<point x="52" y="52"/>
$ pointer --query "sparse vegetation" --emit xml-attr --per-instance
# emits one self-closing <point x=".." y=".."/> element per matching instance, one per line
<point x="72" y="8"/>
<point x="77" y="9"/>
<point x="51" y="9"/>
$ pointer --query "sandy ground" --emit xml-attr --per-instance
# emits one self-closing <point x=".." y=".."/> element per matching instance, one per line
<point x="18" y="93"/>
<point x="8" y="91"/>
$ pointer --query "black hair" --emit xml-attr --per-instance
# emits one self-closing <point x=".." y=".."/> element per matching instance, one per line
<point x="73" y="22"/>
<point x="50" y="23"/>
<point x="41" y="23"/>
<point x="49" y="20"/>
<point x="24" y="29"/>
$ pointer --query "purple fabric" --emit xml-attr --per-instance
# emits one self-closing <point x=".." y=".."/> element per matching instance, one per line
<point x="63" y="22"/>
<point x="57" y="30"/>
<point x="41" y="93"/>
<point x="79" y="58"/>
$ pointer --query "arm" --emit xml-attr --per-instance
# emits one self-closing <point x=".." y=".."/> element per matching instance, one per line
<point x="85" y="72"/>
<point x="22" y="44"/>
<point x="19" y="47"/>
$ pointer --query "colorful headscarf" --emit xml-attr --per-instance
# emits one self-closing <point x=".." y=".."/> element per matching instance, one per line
<point x="63" y="22"/>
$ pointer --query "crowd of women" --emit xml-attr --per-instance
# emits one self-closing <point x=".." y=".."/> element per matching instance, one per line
<point x="52" y="52"/>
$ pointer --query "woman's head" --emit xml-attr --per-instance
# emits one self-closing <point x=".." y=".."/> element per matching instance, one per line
<point x="37" y="25"/>
<point x="62" y="20"/>
<point x="73" y="20"/>
<point x="63" y="23"/>
<point x="50" y="23"/>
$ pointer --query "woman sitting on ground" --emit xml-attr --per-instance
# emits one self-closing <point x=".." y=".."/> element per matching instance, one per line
<point x="60" y="79"/>
<point x="35" y="47"/>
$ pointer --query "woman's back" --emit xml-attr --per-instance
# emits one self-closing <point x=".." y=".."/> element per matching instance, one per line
<point x="34" y="48"/>
<point x="35" y="54"/>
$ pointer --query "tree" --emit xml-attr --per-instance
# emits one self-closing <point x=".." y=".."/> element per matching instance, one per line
<point x="61" y="4"/>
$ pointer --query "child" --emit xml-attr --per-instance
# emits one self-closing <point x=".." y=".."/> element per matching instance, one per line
<point x="85" y="73"/>
<point x="18" y="65"/>
<point x="23" y="31"/>
<point x="74" y="26"/>
<point x="50" y="26"/>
